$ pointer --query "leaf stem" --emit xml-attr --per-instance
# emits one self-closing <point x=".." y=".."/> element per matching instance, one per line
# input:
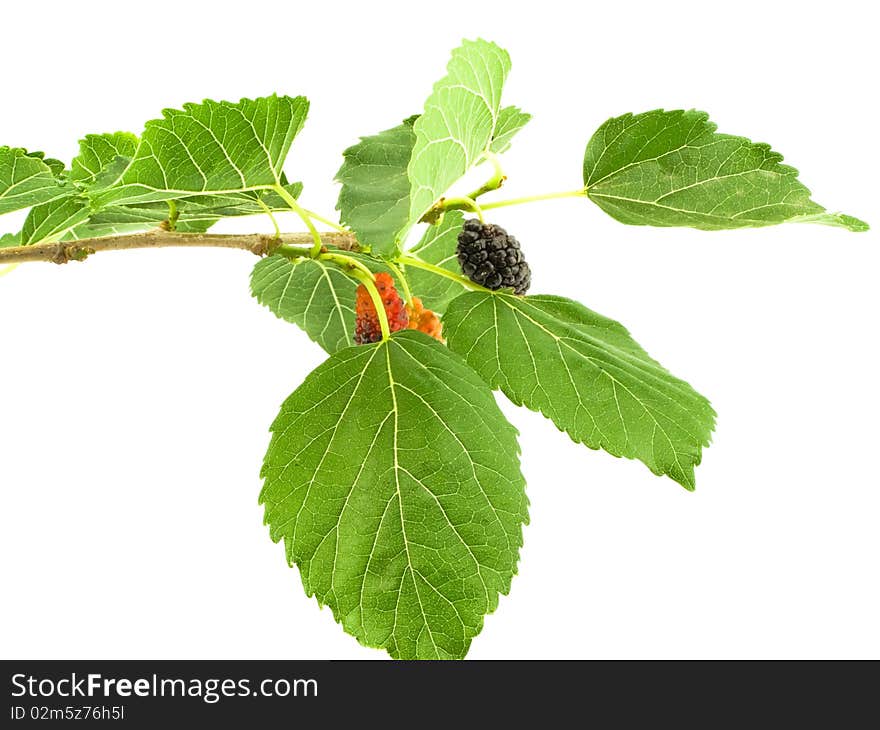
<point x="325" y="221"/>
<point x="494" y="182"/>
<point x="414" y="261"/>
<point x="297" y="208"/>
<point x="269" y="213"/>
<point x="465" y="202"/>
<point x="581" y="192"/>
<point x="173" y="215"/>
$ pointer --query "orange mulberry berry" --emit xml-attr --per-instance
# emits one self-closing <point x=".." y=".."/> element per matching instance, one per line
<point x="424" y="320"/>
<point x="367" y="328"/>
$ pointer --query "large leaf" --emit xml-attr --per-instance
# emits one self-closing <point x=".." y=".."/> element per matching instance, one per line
<point x="459" y="122"/>
<point x="671" y="168"/>
<point x="393" y="479"/>
<point x="52" y="221"/>
<point x="98" y="151"/>
<point x="585" y="373"/>
<point x="314" y="294"/>
<point x="213" y="147"/>
<point x="27" y="179"/>
<point x="374" y="198"/>
<point x="438" y="247"/>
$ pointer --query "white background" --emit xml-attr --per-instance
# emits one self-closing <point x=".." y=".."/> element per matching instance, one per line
<point x="136" y="389"/>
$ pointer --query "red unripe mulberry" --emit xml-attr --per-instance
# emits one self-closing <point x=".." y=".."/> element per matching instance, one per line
<point x="367" y="328"/>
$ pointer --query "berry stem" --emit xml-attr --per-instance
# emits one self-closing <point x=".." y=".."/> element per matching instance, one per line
<point x="415" y="262"/>
<point x="401" y="277"/>
<point x="370" y="285"/>
<point x="297" y="208"/>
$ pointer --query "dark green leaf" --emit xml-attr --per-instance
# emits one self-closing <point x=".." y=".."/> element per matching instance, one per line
<point x="671" y="168"/>
<point x="393" y="479"/>
<point x="585" y="373"/>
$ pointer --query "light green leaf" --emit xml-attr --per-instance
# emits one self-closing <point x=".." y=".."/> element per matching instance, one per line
<point x="213" y="147"/>
<point x="458" y="124"/>
<point x="585" y="373"/>
<point x="26" y="179"/>
<point x="313" y="294"/>
<point x="52" y="221"/>
<point x="438" y="246"/>
<point x="374" y="198"/>
<point x="127" y="219"/>
<point x="671" y="168"/>
<point x="510" y="120"/>
<point x="394" y="481"/>
<point x="98" y="151"/>
<point x="56" y="166"/>
<point x="237" y="204"/>
<point x="10" y="239"/>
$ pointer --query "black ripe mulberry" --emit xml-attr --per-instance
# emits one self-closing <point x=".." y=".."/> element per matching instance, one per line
<point x="489" y="256"/>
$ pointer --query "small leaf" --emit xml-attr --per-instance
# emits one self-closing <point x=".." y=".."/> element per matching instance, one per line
<point x="52" y="221"/>
<point x="671" y="168"/>
<point x="459" y="122"/>
<point x="213" y="147"/>
<point x="374" y="199"/>
<point x="510" y="120"/>
<point x="438" y="246"/>
<point x="10" y="239"/>
<point x="313" y="294"/>
<point x="98" y="151"/>
<point x="585" y="373"/>
<point x="26" y="179"/>
<point x="393" y="479"/>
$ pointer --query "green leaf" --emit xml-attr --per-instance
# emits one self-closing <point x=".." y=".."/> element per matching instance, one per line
<point x="237" y="204"/>
<point x="585" y="373"/>
<point x="510" y="120"/>
<point x="394" y="481"/>
<point x="438" y="246"/>
<point x="374" y="198"/>
<point x="459" y="122"/>
<point x="671" y="168"/>
<point x="26" y="179"/>
<point x="213" y="147"/>
<point x="313" y="294"/>
<point x="52" y="221"/>
<point x="98" y="151"/>
<point x="10" y="239"/>
<point x="126" y="219"/>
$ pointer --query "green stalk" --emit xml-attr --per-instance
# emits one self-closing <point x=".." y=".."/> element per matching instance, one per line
<point x="325" y="221"/>
<point x="494" y="182"/>
<point x="297" y="208"/>
<point x="370" y="284"/>
<point x="268" y="212"/>
<point x="463" y="203"/>
<point x="580" y="193"/>
<point x="401" y="277"/>
<point x="409" y="260"/>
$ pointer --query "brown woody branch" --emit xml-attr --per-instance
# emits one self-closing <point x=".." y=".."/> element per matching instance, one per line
<point x="257" y="243"/>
